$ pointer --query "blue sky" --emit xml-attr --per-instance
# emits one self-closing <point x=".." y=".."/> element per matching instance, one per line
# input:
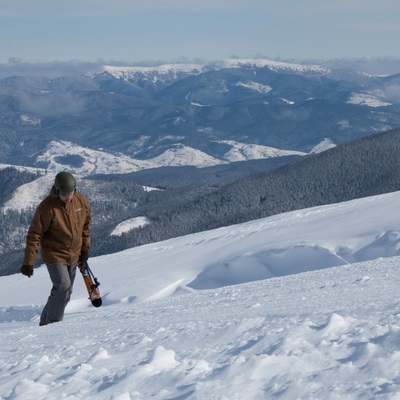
<point x="137" y="30"/>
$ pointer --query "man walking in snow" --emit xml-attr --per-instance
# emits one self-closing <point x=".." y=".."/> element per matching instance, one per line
<point x="60" y="227"/>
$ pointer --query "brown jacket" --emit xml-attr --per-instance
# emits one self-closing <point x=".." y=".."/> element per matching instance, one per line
<point x="61" y="230"/>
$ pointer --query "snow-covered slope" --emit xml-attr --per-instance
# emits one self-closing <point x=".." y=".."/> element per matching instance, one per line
<point x="181" y="155"/>
<point x="30" y="194"/>
<point x="323" y="146"/>
<point x="154" y="72"/>
<point x="367" y="99"/>
<point x="157" y="71"/>
<point x="274" y="65"/>
<point x="308" y="332"/>
<point x="245" y="152"/>
<point x="22" y="168"/>
<point x="130" y="224"/>
<point x="83" y="161"/>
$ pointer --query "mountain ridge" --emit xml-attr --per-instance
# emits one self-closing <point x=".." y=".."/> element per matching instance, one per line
<point x="144" y="111"/>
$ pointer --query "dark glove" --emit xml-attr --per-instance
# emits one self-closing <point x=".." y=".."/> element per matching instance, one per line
<point x="84" y="255"/>
<point x="27" y="270"/>
<point x="82" y="259"/>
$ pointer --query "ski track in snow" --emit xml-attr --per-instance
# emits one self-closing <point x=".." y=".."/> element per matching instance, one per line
<point x="330" y="332"/>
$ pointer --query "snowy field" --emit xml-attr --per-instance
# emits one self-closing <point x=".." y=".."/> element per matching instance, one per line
<point x="302" y="305"/>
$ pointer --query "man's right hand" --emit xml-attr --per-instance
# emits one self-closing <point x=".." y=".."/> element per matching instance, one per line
<point x="27" y="270"/>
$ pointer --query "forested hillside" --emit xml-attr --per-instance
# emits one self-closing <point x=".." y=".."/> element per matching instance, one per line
<point x="116" y="198"/>
<point x="191" y="200"/>
<point x="364" y="167"/>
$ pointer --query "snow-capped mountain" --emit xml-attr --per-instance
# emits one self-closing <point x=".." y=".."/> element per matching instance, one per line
<point x="245" y="152"/>
<point x="172" y="70"/>
<point x="180" y="155"/>
<point x="62" y="155"/>
<point x="152" y="73"/>
<point x="152" y="112"/>
<point x="82" y="161"/>
<point x="278" y="66"/>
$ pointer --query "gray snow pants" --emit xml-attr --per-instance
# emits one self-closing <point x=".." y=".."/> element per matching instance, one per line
<point x="62" y="277"/>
